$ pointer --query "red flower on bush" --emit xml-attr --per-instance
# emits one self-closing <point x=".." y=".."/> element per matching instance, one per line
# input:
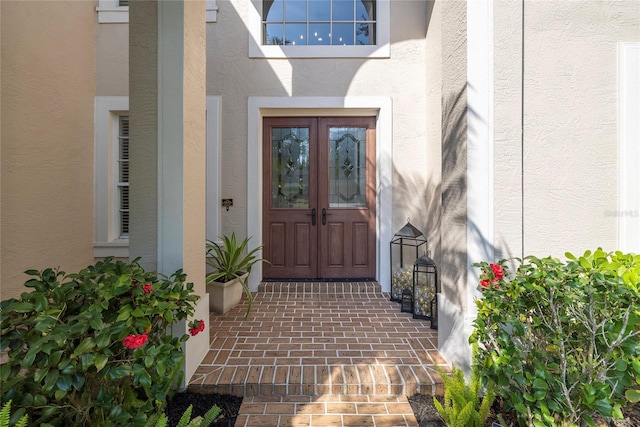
<point x="196" y="327"/>
<point x="484" y="283"/>
<point x="492" y="274"/>
<point x="135" y="341"/>
<point x="498" y="271"/>
<point x="147" y="288"/>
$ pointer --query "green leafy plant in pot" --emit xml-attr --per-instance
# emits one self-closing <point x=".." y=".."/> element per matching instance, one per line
<point x="232" y="267"/>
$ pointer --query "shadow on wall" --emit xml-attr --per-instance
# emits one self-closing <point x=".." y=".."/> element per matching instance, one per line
<point x="425" y="215"/>
<point x="454" y="197"/>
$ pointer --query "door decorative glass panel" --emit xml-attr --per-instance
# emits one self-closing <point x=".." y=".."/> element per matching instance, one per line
<point x="347" y="167"/>
<point x="290" y="170"/>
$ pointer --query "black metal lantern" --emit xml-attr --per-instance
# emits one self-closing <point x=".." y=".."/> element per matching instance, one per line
<point x="405" y="249"/>
<point x="425" y="290"/>
<point x="406" y="303"/>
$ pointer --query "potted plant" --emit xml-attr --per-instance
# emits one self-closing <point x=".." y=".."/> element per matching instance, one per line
<point x="231" y="270"/>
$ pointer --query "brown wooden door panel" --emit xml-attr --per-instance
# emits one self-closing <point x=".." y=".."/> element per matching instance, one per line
<point x="277" y="241"/>
<point x="360" y="239"/>
<point x="353" y="209"/>
<point x="293" y="241"/>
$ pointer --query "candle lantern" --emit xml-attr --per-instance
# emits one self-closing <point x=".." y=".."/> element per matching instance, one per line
<point x="405" y="249"/>
<point x="425" y="290"/>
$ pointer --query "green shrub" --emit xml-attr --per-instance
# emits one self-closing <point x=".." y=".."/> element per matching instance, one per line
<point x="463" y="406"/>
<point x="94" y="348"/>
<point x="560" y="340"/>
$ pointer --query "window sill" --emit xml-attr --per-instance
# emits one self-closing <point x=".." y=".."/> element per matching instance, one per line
<point x="120" y="15"/>
<point x="258" y="51"/>
<point x="118" y="249"/>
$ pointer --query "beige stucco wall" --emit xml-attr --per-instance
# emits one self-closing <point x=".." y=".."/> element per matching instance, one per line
<point x="48" y="69"/>
<point x="112" y="59"/>
<point x="570" y="124"/>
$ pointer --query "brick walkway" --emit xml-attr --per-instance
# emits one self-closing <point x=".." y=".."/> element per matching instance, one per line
<point x="321" y="354"/>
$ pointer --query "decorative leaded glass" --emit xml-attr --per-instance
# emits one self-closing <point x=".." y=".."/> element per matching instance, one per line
<point x="290" y="167"/>
<point x="347" y="167"/>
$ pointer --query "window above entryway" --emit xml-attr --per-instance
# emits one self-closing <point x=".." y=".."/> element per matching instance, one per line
<point x="319" y="28"/>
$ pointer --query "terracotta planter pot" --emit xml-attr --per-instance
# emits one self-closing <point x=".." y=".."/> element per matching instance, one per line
<point x="223" y="296"/>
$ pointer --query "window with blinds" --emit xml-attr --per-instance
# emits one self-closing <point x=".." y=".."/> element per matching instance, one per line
<point x="123" y="176"/>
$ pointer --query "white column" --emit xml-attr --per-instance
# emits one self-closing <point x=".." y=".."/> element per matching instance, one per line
<point x="629" y="142"/>
<point x="480" y="242"/>
<point x="168" y="125"/>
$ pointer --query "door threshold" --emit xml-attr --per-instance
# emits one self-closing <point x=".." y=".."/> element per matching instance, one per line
<point x="347" y="280"/>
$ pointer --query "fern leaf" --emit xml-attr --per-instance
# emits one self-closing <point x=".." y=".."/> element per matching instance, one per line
<point x="444" y="414"/>
<point x="184" y="419"/>
<point x="464" y="416"/>
<point x="211" y="415"/>
<point x="485" y="406"/>
<point x="22" y="422"/>
<point x="196" y="422"/>
<point x="162" y="421"/>
<point x="4" y="414"/>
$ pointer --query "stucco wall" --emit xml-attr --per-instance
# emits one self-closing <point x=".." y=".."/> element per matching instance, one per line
<point x="454" y="159"/>
<point x="507" y="130"/>
<point x="112" y="59"/>
<point x="48" y="82"/>
<point x="570" y="123"/>
<point x="452" y="301"/>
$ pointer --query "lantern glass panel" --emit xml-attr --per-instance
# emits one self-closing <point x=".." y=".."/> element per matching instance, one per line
<point x="425" y="280"/>
<point x="406" y="246"/>
<point x="407" y="301"/>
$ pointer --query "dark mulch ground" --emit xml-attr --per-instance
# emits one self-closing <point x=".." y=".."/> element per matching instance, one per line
<point x="422" y="406"/>
<point x="230" y="406"/>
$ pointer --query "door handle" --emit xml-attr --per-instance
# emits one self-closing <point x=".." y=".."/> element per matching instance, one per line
<point x="324" y="216"/>
<point x="313" y="216"/>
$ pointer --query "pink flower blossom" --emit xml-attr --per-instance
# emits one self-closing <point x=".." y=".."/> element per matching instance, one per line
<point x="147" y="288"/>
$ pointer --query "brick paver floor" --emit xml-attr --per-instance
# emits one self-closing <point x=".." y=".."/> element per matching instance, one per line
<point x="321" y="354"/>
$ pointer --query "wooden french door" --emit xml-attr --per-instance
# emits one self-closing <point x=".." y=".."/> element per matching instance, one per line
<point x="319" y="218"/>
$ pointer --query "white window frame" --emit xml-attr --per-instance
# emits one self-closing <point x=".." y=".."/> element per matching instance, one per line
<point x="110" y="12"/>
<point x="380" y="50"/>
<point x="107" y="241"/>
